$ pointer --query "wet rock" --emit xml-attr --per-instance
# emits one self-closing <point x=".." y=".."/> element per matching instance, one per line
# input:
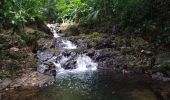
<point x="106" y="64"/>
<point x="68" y="53"/>
<point x="102" y="54"/>
<point x="71" y="64"/>
<point x="54" y="72"/>
<point x="90" y="53"/>
<point x="43" y="68"/>
<point x="107" y="58"/>
<point x="44" y="43"/>
<point x="82" y="43"/>
<point x="44" y="56"/>
<point x="105" y="43"/>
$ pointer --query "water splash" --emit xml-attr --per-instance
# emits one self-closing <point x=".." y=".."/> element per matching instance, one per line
<point x="58" y="67"/>
<point x="68" y="45"/>
<point x="85" y="63"/>
<point x="55" y="34"/>
<point x="53" y="30"/>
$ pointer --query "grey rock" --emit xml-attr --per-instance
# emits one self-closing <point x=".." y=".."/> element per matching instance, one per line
<point x="44" y="43"/>
<point x="32" y="79"/>
<point x="105" y="43"/>
<point x="5" y="83"/>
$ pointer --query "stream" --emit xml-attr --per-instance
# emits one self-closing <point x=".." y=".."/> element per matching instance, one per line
<point x="78" y="78"/>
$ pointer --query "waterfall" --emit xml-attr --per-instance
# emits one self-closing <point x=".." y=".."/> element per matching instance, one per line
<point x="77" y="63"/>
<point x="85" y="63"/>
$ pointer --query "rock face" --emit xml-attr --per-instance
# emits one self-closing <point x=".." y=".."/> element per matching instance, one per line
<point x="107" y="58"/>
<point x="27" y="81"/>
<point x="105" y="43"/>
<point x="32" y="79"/>
<point x="44" y="43"/>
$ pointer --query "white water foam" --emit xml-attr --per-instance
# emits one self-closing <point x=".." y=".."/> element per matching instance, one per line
<point x="55" y="34"/>
<point x="68" y="45"/>
<point x="52" y="27"/>
<point x="83" y="63"/>
<point x="58" y="67"/>
<point x="49" y="25"/>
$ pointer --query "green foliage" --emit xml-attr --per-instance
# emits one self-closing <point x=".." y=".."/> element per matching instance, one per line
<point x="49" y="10"/>
<point x="71" y="9"/>
<point x="17" y="12"/>
<point x="85" y="11"/>
<point x="146" y="17"/>
<point x="1" y="14"/>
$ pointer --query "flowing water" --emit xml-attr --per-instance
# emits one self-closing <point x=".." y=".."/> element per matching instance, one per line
<point x="84" y="81"/>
